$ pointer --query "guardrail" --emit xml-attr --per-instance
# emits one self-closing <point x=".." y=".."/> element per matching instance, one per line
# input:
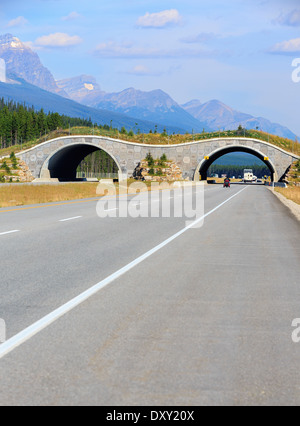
<point x="82" y="175"/>
<point x="276" y="184"/>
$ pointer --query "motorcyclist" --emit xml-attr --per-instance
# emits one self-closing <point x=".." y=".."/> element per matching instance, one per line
<point x="226" y="182"/>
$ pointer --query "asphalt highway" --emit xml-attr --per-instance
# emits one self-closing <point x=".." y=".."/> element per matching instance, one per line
<point x="177" y="315"/>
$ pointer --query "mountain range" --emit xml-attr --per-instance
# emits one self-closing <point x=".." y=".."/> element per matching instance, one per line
<point x="159" y="107"/>
<point x="220" y="116"/>
<point x="156" y="106"/>
<point x="32" y="83"/>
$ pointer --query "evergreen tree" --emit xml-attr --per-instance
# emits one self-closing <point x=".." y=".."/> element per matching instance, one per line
<point x="19" y="122"/>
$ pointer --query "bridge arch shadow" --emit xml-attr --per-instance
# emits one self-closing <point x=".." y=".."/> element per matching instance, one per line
<point x="62" y="164"/>
<point x="204" y="165"/>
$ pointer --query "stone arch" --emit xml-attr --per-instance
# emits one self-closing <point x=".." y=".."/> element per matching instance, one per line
<point x="62" y="163"/>
<point x="203" y="166"/>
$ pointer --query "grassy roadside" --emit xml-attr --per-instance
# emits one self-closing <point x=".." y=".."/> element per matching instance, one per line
<point x="291" y="193"/>
<point x="22" y="195"/>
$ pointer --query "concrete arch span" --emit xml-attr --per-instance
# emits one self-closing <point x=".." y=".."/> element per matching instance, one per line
<point x="202" y="169"/>
<point x="62" y="163"/>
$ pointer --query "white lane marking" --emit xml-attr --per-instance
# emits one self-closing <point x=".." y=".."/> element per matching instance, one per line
<point x="49" y="319"/>
<point x="9" y="232"/>
<point x="70" y="218"/>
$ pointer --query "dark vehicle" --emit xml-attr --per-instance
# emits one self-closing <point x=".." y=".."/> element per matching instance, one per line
<point x="227" y="183"/>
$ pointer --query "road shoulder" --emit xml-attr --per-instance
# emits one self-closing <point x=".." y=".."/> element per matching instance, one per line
<point x="294" y="207"/>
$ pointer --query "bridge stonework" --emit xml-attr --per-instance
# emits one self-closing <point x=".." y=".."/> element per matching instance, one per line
<point x="58" y="156"/>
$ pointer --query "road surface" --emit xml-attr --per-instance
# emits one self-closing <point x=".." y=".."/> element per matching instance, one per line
<point x="204" y="319"/>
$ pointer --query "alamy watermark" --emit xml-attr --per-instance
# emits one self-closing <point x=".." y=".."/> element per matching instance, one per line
<point x="296" y="332"/>
<point x="2" y="331"/>
<point x="163" y="200"/>
<point x="296" y="72"/>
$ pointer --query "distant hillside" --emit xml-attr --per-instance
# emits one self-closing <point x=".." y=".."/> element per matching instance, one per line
<point x="220" y="116"/>
<point x="238" y="159"/>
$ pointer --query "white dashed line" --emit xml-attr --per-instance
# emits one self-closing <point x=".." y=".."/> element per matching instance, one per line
<point x="70" y="218"/>
<point x="9" y="232"/>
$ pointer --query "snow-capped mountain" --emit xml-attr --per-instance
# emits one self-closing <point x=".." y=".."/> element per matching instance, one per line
<point x="78" y="88"/>
<point x="20" y="60"/>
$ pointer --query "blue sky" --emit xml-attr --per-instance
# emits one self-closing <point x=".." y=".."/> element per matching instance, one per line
<point x="239" y="51"/>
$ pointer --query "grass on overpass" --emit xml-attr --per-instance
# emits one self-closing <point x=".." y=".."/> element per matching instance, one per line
<point x="158" y="138"/>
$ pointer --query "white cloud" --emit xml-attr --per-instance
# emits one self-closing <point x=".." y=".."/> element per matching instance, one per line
<point x="58" y="40"/>
<point x="160" y="19"/>
<point x="142" y="71"/>
<point x="31" y="45"/>
<point x="139" y="70"/>
<point x="114" y="50"/>
<point x="291" y="19"/>
<point x="17" y="22"/>
<point x="287" y="47"/>
<point x="71" y="17"/>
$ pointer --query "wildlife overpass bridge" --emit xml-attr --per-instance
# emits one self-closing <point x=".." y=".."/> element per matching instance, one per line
<point x="59" y="158"/>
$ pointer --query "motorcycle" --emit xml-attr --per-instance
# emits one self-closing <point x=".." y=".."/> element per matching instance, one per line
<point x="226" y="184"/>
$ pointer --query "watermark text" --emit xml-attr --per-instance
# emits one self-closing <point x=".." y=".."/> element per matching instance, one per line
<point x="296" y="332"/>
<point x="163" y="200"/>
<point x="2" y="331"/>
<point x="296" y="72"/>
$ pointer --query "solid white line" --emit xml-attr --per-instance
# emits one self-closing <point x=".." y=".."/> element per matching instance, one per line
<point x="70" y="218"/>
<point x="9" y="232"/>
<point x="40" y="325"/>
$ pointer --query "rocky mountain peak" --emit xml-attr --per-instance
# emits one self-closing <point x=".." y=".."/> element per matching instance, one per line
<point x="22" y="62"/>
<point x="10" y="41"/>
<point x="79" y="87"/>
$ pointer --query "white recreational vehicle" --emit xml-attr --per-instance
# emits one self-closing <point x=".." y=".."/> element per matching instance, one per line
<point x="249" y="176"/>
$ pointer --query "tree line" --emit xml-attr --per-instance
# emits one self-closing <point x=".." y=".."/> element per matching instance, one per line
<point x="20" y="123"/>
<point x="99" y="162"/>
<point x="233" y="170"/>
